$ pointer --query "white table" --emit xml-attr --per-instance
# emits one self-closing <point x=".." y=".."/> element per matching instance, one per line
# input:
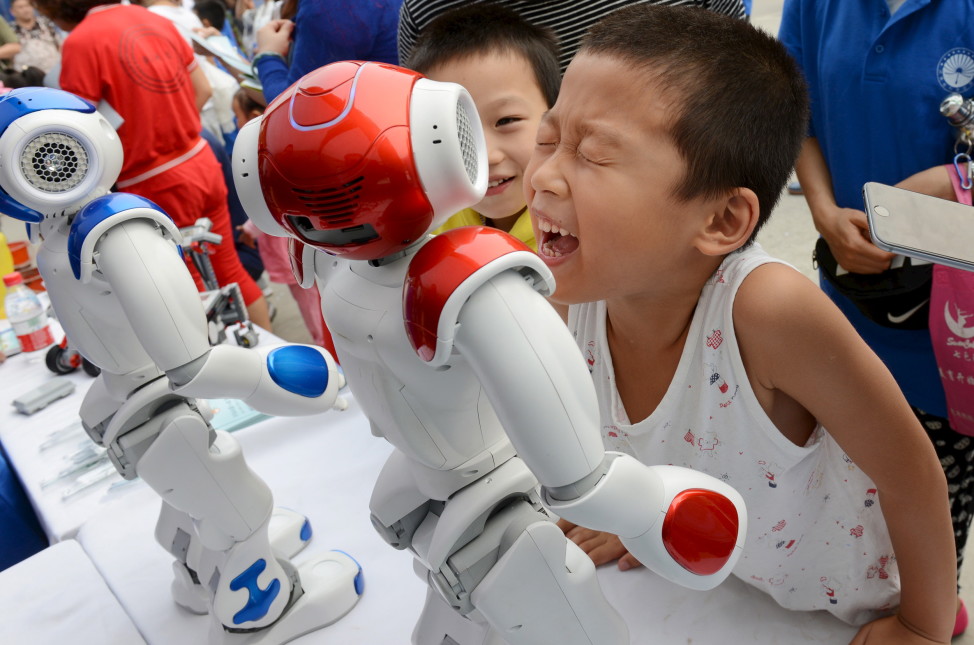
<point x="324" y="466"/>
<point x="57" y="596"/>
<point x="22" y="435"/>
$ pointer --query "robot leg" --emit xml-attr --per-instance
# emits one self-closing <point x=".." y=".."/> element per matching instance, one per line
<point x="442" y="624"/>
<point x="203" y="474"/>
<point x="526" y="580"/>
<point x="289" y="534"/>
<point x="544" y="590"/>
<point x="176" y="533"/>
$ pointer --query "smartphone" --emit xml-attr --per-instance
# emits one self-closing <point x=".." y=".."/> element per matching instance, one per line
<point x="920" y="226"/>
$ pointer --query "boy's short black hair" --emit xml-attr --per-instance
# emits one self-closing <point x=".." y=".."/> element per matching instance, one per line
<point x="213" y="11"/>
<point x="28" y="76"/>
<point x="70" y="11"/>
<point x="486" y="28"/>
<point x="741" y="108"/>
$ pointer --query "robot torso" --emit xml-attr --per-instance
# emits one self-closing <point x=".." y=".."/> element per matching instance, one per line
<point x="439" y="417"/>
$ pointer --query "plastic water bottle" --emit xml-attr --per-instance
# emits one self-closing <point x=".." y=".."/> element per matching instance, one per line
<point x="26" y="314"/>
<point x="6" y="266"/>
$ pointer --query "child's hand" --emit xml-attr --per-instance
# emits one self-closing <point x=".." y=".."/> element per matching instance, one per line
<point x="275" y="37"/>
<point x="206" y="32"/>
<point x="890" y="631"/>
<point x="601" y="547"/>
<point x="247" y="237"/>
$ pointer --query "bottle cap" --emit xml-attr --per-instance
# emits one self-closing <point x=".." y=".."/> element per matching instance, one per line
<point x="11" y="279"/>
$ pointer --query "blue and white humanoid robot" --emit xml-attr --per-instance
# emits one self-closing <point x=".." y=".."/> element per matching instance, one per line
<point x="453" y="353"/>
<point x="112" y="265"/>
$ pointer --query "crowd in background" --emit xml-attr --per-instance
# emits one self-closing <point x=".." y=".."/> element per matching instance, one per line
<point x="177" y="154"/>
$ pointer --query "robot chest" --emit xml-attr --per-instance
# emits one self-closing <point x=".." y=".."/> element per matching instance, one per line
<point x="360" y="311"/>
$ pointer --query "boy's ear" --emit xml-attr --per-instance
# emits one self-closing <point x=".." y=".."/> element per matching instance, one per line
<point x="730" y="225"/>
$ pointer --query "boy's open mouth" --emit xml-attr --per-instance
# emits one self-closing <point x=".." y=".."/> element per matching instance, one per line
<point x="555" y="241"/>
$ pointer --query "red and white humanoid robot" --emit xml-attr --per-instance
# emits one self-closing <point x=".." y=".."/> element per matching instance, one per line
<point x="457" y="359"/>
<point x="114" y="270"/>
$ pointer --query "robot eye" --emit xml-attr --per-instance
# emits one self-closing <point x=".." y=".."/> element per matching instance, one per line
<point x="54" y="162"/>
<point x="359" y="234"/>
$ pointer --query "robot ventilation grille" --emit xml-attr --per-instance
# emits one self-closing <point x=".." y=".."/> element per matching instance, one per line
<point x="336" y="205"/>
<point x="467" y="146"/>
<point x="54" y="162"/>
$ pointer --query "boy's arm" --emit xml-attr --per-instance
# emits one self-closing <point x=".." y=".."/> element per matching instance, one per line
<point x="799" y="350"/>
<point x="845" y="229"/>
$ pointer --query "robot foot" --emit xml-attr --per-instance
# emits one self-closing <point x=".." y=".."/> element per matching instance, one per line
<point x="325" y="589"/>
<point x="440" y="623"/>
<point x="187" y="591"/>
<point x="289" y="532"/>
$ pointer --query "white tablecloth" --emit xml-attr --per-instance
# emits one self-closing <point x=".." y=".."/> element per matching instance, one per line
<point x="22" y="436"/>
<point x="324" y="466"/>
<point x="57" y="597"/>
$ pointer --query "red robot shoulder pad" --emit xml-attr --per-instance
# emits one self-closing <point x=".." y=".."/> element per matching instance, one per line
<point x="444" y="273"/>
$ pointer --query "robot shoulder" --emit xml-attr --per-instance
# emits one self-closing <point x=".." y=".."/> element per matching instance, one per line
<point x="103" y="213"/>
<point x="447" y="270"/>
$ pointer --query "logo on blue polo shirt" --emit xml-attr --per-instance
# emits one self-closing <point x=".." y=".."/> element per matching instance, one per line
<point x="955" y="71"/>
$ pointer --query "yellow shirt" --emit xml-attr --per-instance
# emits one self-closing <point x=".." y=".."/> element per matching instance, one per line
<point x="469" y="217"/>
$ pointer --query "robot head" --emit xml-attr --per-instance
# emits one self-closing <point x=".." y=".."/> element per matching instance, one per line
<point x="56" y="153"/>
<point x="361" y="159"/>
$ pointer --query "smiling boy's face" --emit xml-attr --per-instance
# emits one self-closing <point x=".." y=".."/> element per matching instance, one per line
<point x="600" y="185"/>
<point x="510" y="103"/>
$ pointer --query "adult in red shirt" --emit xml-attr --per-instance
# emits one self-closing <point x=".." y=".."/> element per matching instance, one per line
<point x="134" y="62"/>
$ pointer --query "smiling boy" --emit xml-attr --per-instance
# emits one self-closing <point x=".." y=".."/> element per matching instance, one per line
<point x="673" y="135"/>
<point x="510" y="68"/>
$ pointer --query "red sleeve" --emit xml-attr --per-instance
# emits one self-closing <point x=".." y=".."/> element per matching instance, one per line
<point x="80" y="70"/>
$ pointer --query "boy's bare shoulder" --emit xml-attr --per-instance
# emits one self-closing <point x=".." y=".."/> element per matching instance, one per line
<point x="779" y="312"/>
<point x="773" y="292"/>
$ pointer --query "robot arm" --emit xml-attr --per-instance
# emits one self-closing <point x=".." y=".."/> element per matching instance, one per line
<point x="685" y="525"/>
<point x="162" y="303"/>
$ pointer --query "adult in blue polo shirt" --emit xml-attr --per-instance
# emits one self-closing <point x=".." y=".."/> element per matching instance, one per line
<point x="877" y="71"/>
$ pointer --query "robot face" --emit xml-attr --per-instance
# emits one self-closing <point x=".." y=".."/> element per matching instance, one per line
<point x="363" y="159"/>
<point x="55" y="155"/>
<point x="54" y="162"/>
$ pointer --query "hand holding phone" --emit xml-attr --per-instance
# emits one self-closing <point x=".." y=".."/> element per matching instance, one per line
<point x="920" y="226"/>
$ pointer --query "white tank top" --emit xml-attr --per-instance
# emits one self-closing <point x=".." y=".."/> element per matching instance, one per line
<point x="816" y="535"/>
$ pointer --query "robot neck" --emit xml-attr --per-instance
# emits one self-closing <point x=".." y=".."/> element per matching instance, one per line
<point x="55" y="224"/>
<point x="406" y="252"/>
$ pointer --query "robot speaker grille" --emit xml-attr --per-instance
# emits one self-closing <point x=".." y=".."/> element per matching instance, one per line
<point x="54" y="162"/>
<point x="467" y="146"/>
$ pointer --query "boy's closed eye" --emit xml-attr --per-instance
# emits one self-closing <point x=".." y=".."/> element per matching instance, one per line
<point x="508" y="120"/>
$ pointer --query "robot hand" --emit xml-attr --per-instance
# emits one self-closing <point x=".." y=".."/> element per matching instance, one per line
<point x="685" y="525"/>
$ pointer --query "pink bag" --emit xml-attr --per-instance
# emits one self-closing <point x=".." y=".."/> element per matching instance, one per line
<point x="952" y="332"/>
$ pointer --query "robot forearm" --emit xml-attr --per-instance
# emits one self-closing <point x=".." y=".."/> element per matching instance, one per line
<point x="685" y="525"/>
<point x="285" y="381"/>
